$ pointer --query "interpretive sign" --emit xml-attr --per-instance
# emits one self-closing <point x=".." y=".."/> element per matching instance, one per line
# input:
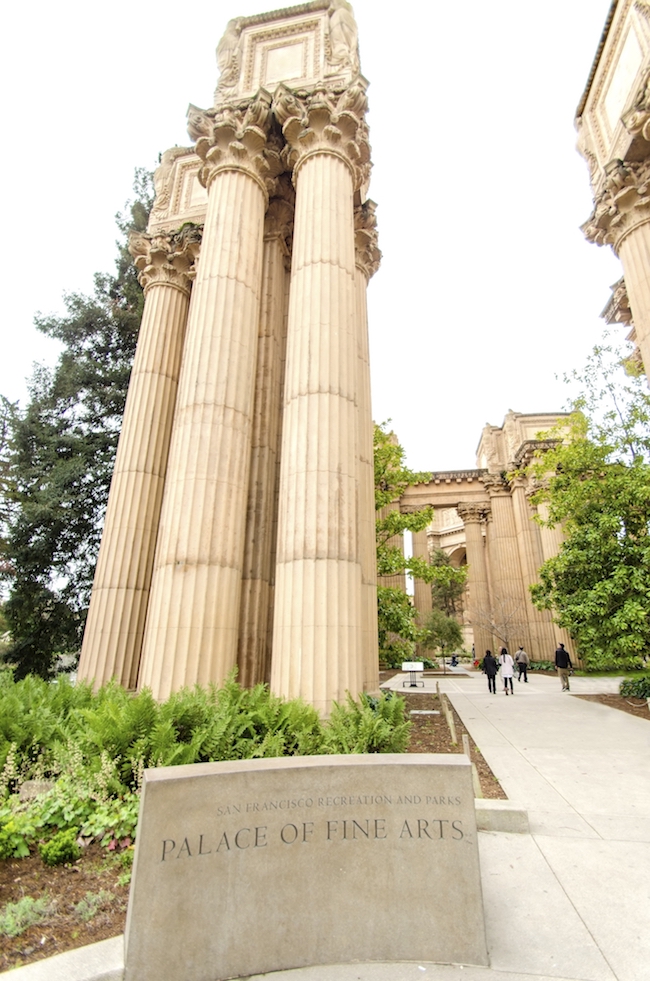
<point x="262" y="865"/>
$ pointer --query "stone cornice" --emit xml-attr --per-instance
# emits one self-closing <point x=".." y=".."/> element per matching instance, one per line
<point x="166" y="260"/>
<point x="235" y="138"/>
<point x="326" y="120"/>
<point x="622" y="205"/>
<point x="617" y="309"/>
<point x="456" y="476"/>
<point x="473" y="513"/>
<point x="367" y="254"/>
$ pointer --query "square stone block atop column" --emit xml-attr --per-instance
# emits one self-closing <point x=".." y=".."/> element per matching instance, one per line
<point x="263" y="865"/>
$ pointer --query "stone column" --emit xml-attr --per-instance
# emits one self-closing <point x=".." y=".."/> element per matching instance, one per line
<point x="318" y="619"/>
<point x="367" y="258"/>
<point x="621" y="218"/>
<point x="193" y="620"/>
<point x="473" y="516"/>
<point x="114" y="629"/>
<point x="531" y="558"/>
<point x="508" y="601"/>
<point x="549" y="634"/>
<point x="254" y="654"/>
<point x="422" y="590"/>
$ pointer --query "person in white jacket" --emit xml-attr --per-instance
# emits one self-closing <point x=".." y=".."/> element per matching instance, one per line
<point x="507" y="670"/>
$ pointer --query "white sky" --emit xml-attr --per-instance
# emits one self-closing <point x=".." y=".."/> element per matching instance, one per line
<point x="487" y="288"/>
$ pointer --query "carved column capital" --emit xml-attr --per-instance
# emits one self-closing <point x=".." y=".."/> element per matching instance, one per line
<point x="326" y="120"/>
<point x="622" y="205"/>
<point x="473" y="513"/>
<point x="235" y="137"/>
<point x="366" y="252"/>
<point x="495" y="485"/>
<point x="168" y="260"/>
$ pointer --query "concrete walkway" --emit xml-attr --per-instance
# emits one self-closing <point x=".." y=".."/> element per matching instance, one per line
<point x="570" y="900"/>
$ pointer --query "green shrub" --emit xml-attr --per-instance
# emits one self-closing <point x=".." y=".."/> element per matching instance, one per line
<point x="61" y="848"/>
<point x="635" y="687"/>
<point x="541" y="666"/>
<point x="92" y="903"/>
<point x="368" y="726"/>
<point x="15" y="918"/>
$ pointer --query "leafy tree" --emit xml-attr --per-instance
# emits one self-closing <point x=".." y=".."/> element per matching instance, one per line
<point x="595" y="482"/>
<point x="398" y="630"/>
<point x="448" y="586"/>
<point x="62" y="452"/>
<point x="441" y="632"/>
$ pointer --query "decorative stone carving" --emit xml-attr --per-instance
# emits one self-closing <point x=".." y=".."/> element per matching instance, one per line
<point x="162" y="178"/>
<point x="168" y="259"/>
<point x="343" y="36"/>
<point x="495" y="484"/>
<point x="229" y="55"/>
<point x="239" y="142"/>
<point x="278" y="221"/>
<point x="367" y="254"/>
<point x="325" y="120"/>
<point x="637" y="120"/>
<point x="623" y="203"/>
<point x="200" y="122"/>
<point x="473" y="513"/>
<point x="617" y="310"/>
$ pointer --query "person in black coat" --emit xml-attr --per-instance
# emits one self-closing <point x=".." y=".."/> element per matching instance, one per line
<point x="563" y="665"/>
<point x="490" y="668"/>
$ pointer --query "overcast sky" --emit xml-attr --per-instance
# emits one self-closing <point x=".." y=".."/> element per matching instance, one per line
<point x="487" y="289"/>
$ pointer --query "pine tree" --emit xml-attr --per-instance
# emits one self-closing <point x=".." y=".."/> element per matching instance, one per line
<point x="62" y="452"/>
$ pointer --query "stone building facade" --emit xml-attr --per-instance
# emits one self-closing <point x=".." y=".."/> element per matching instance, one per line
<point x="484" y="518"/>
<point x="240" y="524"/>
<point x="613" y="123"/>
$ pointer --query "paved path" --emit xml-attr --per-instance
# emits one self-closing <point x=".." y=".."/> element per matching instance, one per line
<point x="570" y="900"/>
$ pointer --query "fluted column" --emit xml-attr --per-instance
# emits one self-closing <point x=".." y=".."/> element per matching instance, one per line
<point x="115" y="626"/>
<point x="473" y="516"/>
<point x="254" y="654"/>
<point x="367" y="259"/>
<point x="531" y="558"/>
<point x="318" y="621"/>
<point x="509" y="608"/>
<point x="422" y="590"/>
<point x="621" y="218"/>
<point x="193" y="620"/>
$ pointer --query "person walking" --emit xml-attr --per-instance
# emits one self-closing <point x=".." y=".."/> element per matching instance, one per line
<point x="490" y="668"/>
<point x="563" y="666"/>
<point x="507" y="670"/>
<point x="522" y="661"/>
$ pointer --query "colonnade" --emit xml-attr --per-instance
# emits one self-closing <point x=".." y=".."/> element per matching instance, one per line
<point x="240" y="525"/>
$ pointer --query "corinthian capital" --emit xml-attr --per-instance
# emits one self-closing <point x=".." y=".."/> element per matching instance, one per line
<point x="166" y="259"/>
<point x="623" y="203"/>
<point x="235" y="138"/>
<point x="326" y="120"/>
<point x="473" y="513"/>
<point x="367" y="254"/>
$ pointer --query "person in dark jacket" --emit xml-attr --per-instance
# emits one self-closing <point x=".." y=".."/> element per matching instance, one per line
<point x="490" y="669"/>
<point x="563" y="666"/>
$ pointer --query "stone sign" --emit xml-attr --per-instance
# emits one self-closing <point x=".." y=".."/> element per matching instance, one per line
<point x="263" y="865"/>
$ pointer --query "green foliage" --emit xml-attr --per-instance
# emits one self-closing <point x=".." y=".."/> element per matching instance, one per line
<point x="96" y="746"/>
<point x="62" y="848"/>
<point x="15" y="918"/>
<point x="368" y="726"/>
<point x="541" y="666"/>
<point x="447" y="583"/>
<point x="61" y="449"/>
<point x="596" y="484"/>
<point x="441" y="632"/>
<point x="635" y="687"/>
<point x="93" y="903"/>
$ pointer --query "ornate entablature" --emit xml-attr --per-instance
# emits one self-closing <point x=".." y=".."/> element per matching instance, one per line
<point x="613" y="112"/>
<point x="288" y="87"/>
